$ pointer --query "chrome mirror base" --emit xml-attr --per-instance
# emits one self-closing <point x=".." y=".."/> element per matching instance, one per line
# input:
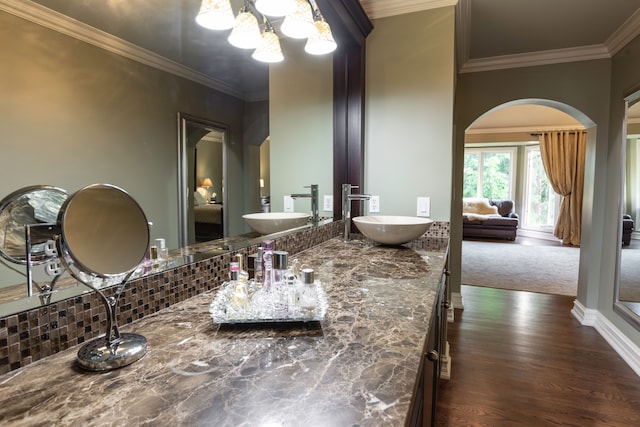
<point x="97" y="355"/>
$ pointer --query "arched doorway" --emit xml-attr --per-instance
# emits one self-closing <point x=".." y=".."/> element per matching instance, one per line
<point x="503" y="162"/>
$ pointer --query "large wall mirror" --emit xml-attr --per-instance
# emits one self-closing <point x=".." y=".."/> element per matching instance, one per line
<point x="105" y="103"/>
<point x="627" y="299"/>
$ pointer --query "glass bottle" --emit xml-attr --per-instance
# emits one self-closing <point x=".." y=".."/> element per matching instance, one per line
<point x="243" y="275"/>
<point x="280" y="266"/>
<point x="239" y="297"/>
<point x="267" y="264"/>
<point x="308" y="293"/>
<point x="279" y="285"/>
<point x="257" y="268"/>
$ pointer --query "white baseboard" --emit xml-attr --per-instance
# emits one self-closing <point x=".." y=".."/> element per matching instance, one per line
<point x="456" y="300"/>
<point x="445" y="367"/>
<point x="622" y="345"/>
<point x="543" y="235"/>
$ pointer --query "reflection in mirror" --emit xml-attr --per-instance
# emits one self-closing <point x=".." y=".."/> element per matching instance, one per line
<point x="115" y="80"/>
<point x="27" y="206"/>
<point x="202" y="175"/>
<point x="103" y="233"/>
<point x="27" y="228"/>
<point x="103" y="237"/>
<point x="628" y="277"/>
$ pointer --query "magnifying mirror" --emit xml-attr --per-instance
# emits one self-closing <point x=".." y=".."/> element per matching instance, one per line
<point x="103" y="237"/>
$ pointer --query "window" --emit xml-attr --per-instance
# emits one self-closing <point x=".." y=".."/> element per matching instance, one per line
<point x="541" y="203"/>
<point x="489" y="172"/>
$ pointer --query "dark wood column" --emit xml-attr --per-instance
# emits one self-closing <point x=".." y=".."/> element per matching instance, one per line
<point x="350" y="26"/>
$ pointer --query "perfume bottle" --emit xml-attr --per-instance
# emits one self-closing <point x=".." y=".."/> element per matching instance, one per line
<point x="239" y="297"/>
<point x="267" y="264"/>
<point x="308" y="293"/>
<point x="280" y="266"/>
<point x="279" y="286"/>
<point x="243" y="275"/>
<point x="257" y="268"/>
<point x="163" y="251"/>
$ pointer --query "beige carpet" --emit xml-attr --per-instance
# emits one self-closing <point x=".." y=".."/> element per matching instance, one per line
<point x="544" y="269"/>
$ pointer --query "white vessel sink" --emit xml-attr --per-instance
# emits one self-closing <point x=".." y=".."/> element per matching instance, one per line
<point x="392" y="230"/>
<point x="273" y="222"/>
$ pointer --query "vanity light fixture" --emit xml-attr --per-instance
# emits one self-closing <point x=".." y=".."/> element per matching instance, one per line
<point x="303" y="19"/>
<point x="275" y="7"/>
<point x="246" y="31"/>
<point x="321" y="41"/>
<point x="299" y="23"/>
<point x="216" y="15"/>
<point x="269" y="48"/>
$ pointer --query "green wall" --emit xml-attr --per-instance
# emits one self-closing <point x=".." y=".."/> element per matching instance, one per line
<point x="409" y="108"/>
<point x="301" y="125"/>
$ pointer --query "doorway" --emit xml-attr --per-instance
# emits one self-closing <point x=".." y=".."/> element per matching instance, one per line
<point x="512" y="129"/>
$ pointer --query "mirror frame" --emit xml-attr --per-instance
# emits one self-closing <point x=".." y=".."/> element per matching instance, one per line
<point x="183" y="172"/>
<point x="619" y="306"/>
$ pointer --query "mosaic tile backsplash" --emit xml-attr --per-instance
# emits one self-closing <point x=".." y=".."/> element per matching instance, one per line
<point x="35" y="334"/>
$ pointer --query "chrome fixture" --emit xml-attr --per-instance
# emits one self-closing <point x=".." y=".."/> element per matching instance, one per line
<point x="103" y="238"/>
<point x="99" y="235"/>
<point x="315" y="212"/>
<point x="347" y="198"/>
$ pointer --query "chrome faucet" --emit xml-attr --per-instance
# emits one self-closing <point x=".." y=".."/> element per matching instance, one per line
<point x="347" y="198"/>
<point x="315" y="212"/>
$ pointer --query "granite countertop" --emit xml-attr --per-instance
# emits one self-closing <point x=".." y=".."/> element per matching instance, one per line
<point x="357" y="367"/>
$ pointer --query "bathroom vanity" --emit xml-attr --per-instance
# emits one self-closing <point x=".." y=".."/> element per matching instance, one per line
<point x="372" y="361"/>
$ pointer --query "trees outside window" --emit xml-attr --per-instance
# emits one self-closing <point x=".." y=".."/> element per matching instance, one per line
<point x="542" y="204"/>
<point x="489" y="173"/>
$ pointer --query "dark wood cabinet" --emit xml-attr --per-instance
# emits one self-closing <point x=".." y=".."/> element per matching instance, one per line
<point x="426" y="393"/>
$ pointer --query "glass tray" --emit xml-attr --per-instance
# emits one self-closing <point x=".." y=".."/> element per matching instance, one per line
<point x="222" y="311"/>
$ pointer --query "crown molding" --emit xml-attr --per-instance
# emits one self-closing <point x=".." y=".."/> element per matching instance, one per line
<point x="522" y="129"/>
<point x="463" y="37"/>
<point x="625" y="34"/>
<point x="58" y="22"/>
<point x="628" y="31"/>
<point x="384" y="8"/>
<point x="583" y="53"/>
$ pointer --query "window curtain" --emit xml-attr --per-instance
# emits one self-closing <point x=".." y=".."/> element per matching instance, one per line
<point x="563" y="160"/>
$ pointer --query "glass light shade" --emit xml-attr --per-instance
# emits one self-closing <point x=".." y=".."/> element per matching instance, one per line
<point x="321" y="41"/>
<point x="299" y="23"/>
<point x="269" y="49"/>
<point x="275" y="7"/>
<point x="216" y="15"/>
<point x="246" y="32"/>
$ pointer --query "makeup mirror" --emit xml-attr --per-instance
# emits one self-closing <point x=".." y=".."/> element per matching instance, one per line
<point x="103" y="236"/>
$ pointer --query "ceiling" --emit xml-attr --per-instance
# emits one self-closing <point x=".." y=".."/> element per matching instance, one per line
<point x="491" y="34"/>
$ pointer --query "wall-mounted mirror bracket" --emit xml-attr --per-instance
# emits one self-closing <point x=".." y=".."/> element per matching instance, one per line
<point x="42" y="236"/>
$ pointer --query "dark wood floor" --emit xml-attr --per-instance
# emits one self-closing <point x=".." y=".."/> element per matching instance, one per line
<point x="521" y="359"/>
